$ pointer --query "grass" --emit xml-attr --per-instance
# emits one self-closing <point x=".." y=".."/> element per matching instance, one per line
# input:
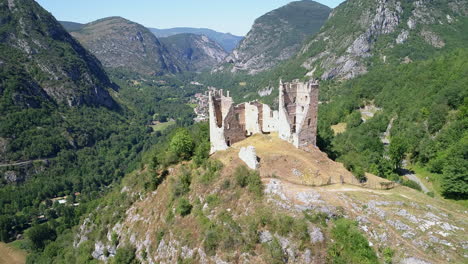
<point x="339" y="128"/>
<point x="193" y="105"/>
<point x="11" y="254"/>
<point x="163" y="126"/>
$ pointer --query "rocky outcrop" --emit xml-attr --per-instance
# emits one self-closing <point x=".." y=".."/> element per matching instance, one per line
<point x="194" y="52"/>
<point x="121" y="44"/>
<point x="249" y="156"/>
<point x="225" y="40"/>
<point x="277" y="36"/>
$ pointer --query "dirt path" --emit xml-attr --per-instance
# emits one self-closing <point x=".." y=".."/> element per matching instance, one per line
<point x="9" y="255"/>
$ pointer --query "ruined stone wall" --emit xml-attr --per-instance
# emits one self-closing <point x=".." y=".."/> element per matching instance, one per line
<point x="298" y="113"/>
<point x="269" y="119"/>
<point x="219" y="107"/>
<point x="234" y="123"/>
<point x="295" y="121"/>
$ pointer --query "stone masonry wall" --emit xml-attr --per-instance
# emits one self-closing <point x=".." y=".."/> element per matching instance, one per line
<point x="295" y="121"/>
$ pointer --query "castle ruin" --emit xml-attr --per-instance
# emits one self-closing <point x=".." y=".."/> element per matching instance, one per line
<point x="295" y="121"/>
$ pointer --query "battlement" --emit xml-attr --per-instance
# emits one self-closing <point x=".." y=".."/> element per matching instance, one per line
<point x="296" y="119"/>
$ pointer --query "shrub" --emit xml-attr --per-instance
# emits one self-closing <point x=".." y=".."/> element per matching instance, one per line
<point x="245" y="178"/>
<point x="411" y="184"/>
<point x="211" y="242"/>
<point x="241" y="174"/>
<point x="349" y="245"/>
<point x="184" y="207"/>
<point x="275" y="252"/>
<point x="125" y="255"/>
<point x="40" y="235"/>
<point x="182" y="144"/>
<point x="182" y="184"/>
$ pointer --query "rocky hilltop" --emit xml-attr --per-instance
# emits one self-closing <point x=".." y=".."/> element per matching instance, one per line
<point x="285" y="212"/>
<point x="226" y="40"/>
<point x="194" y="52"/>
<point x="121" y="44"/>
<point x="278" y="35"/>
<point x="362" y="33"/>
<point x="40" y="62"/>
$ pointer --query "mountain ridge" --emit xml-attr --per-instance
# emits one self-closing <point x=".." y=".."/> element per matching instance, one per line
<point x="194" y="52"/>
<point x="227" y="40"/>
<point x="120" y="43"/>
<point x="277" y="36"/>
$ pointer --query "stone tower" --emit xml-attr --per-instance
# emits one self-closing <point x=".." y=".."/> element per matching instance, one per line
<point x="298" y="106"/>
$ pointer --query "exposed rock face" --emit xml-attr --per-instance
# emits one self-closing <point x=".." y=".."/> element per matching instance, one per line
<point x="46" y="63"/>
<point x="278" y="35"/>
<point x="249" y="156"/>
<point x="119" y="43"/>
<point x="341" y="49"/>
<point x="433" y="39"/>
<point x="226" y="40"/>
<point x="194" y="52"/>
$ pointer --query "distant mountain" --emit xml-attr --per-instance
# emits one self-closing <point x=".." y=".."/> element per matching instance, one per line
<point x="226" y="40"/>
<point x="71" y="26"/>
<point x="194" y="52"/>
<point x="122" y="44"/>
<point x="278" y="35"/>
<point x="49" y="86"/>
<point x="40" y="62"/>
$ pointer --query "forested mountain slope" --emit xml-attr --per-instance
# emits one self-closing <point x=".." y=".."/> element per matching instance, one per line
<point x="61" y="131"/>
<point x="121" y="44"/>
<point x="278" y="35"/>
<point x="194" y="52"/>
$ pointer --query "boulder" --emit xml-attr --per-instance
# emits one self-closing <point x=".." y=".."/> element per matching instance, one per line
<point x="249" y="156"/>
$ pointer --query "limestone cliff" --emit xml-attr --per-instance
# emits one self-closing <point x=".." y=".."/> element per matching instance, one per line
<point x="362" y="33"/>
<point x="194" y="52"/>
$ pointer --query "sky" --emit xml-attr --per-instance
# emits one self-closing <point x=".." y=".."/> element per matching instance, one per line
<point x="233" y="16"/>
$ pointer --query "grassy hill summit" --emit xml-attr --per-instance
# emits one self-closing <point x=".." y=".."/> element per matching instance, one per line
<point x="278" y="35"/>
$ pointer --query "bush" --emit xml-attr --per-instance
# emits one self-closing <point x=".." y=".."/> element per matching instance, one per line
<point x="349" y="245"/>
<point x="184" y="207"/>
<point x="125" y="255"/>
<point x="275" y="252"/>
<point x="411" y="184"/>
<point x="182" y="144"/>
<point x="251" y="179"/>
<point x="182" y="184"/>
<point x="40" y="235"/>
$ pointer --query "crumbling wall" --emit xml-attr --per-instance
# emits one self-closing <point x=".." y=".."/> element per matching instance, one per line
<point x="234" y="123"/>
<point x="295" y="121"/>
<point x="219" y="106"/>
<point x="252" y="124"/>
<point x="270" y="119"/>
<point x="298" y="113"/>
